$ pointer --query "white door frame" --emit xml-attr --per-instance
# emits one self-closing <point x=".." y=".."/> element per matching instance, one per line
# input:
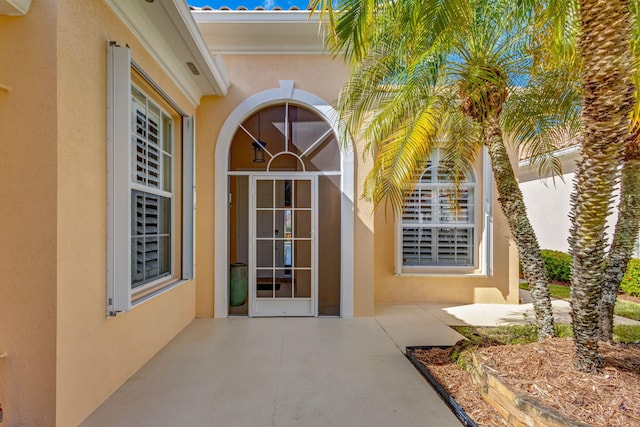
<point x="283" y="307"/>
<point x="286" y="92"/>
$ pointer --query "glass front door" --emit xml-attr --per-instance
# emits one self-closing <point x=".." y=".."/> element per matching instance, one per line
<point x="283" y="253"/>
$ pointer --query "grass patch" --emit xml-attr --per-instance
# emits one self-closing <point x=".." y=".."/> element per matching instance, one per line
<point x="627" y="309"/>
<point x="557" y="291"/>
<point x="626" y="333"/>
<point x="528" y="333"/>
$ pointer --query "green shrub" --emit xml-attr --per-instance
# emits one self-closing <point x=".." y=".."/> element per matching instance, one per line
<point x="558" y="265"/>
<point x="630" y="284"/>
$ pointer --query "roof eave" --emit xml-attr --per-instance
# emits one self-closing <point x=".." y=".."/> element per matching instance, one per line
<point x="168" y="31"/>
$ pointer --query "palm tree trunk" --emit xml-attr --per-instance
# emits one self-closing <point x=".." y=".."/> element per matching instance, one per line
<point x="624" y="240"/>
<point x="608" y="98"/>
<point x="513" y="207"/>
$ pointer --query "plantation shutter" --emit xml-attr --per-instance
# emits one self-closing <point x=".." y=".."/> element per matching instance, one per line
<point x="438" y="221"/>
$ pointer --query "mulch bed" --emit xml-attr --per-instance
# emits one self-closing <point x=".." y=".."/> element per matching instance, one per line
<point x="545" y="371"/>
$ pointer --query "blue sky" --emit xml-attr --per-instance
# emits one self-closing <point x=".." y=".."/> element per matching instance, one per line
<point x="250" y="4"/>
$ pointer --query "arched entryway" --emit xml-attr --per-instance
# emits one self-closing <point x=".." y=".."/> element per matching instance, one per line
<point x="288" y="214"/>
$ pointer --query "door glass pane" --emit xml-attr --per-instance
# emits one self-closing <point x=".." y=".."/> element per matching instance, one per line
<point x="302" y="194"/>
<point x="302" y="224"/>
<point x="302" y="283"/>
<point x="265" y="284"/>
<point x="264" y="253"/>
<point x="288" y="224"/>
<point x="302" y="253"/>
<point x="279" y="255"/>
<point x="264" y="224"/>
<point x="283" y="193"/>
<point x="279" y="226"/>
<point x="264" y="194"/>
<point x="288" y="253"/>
<point x="283" y="284"/>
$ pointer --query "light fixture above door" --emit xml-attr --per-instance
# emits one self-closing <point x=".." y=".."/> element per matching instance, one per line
<point x="258" y="146"/>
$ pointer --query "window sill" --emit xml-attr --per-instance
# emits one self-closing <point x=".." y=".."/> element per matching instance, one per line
<point x="445" y="272"/>
<point x="160" y="290"/>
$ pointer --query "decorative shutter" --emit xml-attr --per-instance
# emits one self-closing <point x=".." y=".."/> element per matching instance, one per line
<point x="118" y="179"/>
<point x="188" y="196"/>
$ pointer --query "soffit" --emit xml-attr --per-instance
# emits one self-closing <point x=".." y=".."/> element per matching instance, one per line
<point x="14" y="7"/>
<point x="260" y="31"/>
<point x="168" y="31"/>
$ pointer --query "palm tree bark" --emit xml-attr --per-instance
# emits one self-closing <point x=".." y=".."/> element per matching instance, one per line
<point x="608" y="99"/>
<point x="513" y="207"/>
<point x="624" y="239"/>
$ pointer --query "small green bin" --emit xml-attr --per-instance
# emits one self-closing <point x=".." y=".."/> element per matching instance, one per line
<point x="238" y="284"/>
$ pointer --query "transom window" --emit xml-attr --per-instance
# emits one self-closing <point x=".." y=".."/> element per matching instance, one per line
<point x="438" y="226"/>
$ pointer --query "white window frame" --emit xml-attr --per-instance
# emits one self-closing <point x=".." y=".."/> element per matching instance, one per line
<point x="478" y="266"/>
<point x="120" y="295"/>
<point x="161" y="191"/>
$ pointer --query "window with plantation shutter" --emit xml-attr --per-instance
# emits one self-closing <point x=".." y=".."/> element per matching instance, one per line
<point x="151" y="196"/>
<point x="438" y="226"/>
<point x="150" y="186"/>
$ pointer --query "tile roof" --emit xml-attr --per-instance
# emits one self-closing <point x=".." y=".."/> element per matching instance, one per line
<point x="242" y="8"/>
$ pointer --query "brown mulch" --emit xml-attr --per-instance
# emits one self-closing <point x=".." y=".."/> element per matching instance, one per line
<point x="545" y="372"/>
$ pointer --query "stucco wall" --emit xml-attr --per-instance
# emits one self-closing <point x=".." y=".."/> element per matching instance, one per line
<point x="548" y="208"/>
<point x="60" y="221"/>
<point x="252" y="74"/>
<point x="28" y="216"/>
<point x="549" y="204"/>
<point x="96" y="355"/>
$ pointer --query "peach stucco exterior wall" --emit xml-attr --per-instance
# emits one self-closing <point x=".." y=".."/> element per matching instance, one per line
<point x="251" y="74"/>
<point x="64" y="356"/>
<point x="96" y="355"/>
<point x="28" y="215"/>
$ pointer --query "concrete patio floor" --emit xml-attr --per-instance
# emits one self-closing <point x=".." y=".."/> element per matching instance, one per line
<point x="302" y="371"/>
<point x="277" y="372"/>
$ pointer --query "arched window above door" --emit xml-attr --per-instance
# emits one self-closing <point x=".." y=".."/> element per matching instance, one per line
<point x="284" y="137"/>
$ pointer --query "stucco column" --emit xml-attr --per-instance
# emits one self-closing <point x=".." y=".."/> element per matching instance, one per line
<point x="364" y="277"/>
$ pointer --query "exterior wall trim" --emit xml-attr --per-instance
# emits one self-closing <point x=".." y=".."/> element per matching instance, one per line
<point x="225" y="137"/>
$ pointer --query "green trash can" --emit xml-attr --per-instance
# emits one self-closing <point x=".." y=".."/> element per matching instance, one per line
<point x="238" y="284"/>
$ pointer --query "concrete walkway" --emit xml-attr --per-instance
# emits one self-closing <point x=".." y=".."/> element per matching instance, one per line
<point x="278" y="372"/>
<point x="302" y="371"/>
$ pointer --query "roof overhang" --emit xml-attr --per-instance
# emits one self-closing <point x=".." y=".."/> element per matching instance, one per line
<point x="568" y="156"/>
<point x="14" y="7"/>
<point x="261" y="31"/>
<point x="168" y="31"/>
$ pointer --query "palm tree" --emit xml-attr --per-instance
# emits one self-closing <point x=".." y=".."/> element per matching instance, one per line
<point x="593" y="37"/>
<point x="608" y="101"/>
<point x="439" y="70"/>
<point x="628" y="224"/>
<point x="624" y="238"/>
